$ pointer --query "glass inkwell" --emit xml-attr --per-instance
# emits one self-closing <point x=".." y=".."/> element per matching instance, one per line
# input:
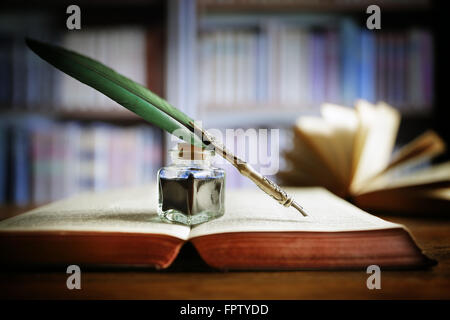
<point x="191" y="190"/>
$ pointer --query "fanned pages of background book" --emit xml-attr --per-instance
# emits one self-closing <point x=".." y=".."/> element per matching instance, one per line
<point x="350" y="152"/>
<point x="121" y="227"/>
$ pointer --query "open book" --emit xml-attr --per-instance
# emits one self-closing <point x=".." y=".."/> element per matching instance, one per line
<point x="350" y="152"/>
<point x="121" y="227"/>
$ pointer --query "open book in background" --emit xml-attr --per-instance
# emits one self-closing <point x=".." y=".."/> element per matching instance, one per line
<point x="121" y="227"/>
<point x="350" y="152"/>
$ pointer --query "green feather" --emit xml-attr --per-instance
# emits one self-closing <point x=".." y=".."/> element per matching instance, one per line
<point x="124" y="91"/>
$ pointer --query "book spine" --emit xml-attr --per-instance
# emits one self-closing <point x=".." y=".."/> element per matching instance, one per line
<point x="240" y="66"/>
<point x="332" y="67"/>
<point x="414" y="81"/>
<point x="318" y="62"/>
<point x="368" y="60"/>
<point x="381" y="68"/>
<point x="427" y="62"/>
<point x="6" y="70"/>
<point x="228" y="53"/>
<point x="19" y="73"/>
<point x="56" y="163"/>
<point x="71" y="155"/>
<point x="273" y="35"/>
<point x="400" y="58"/>
<point x="305" y="68"/>
<point x="100" y="149"/>
<point x="262" y="68"/>
<point x="41" y="163"/>
<point x="350" y="60"/>
<point x="87" y="159"/>
<point x="391" y="76"/>
<point x="4" y="146"/>
<point x="284" y="67"/>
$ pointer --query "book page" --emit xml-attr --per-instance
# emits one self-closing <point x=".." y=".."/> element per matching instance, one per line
<point x="134" y="211"/>
<point x="422" y="148"/>
<point x="391" y="180"/>
<point x="322" y="150"/>
<point x="345" y="123"/>
<point x="305" y="168"/>
<point x="323" y="138"/>
<point x="255" y="211"/>
<point x="374" y="141"/>
<point x="418" y="151"/>
<point x="131" y="210"/>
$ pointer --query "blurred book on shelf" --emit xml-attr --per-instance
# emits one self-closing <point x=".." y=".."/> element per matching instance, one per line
<point x="123" y="48"/>
<point x="60" y="137"/>
<point x="295" y="66"/>
<point x="308" y="4"/>
<point x="48" y="160"/>
<point x="31" y="84"/>
<point x="260" y="147"/>
<point x="25" y="82"/>
<point x="349" y="151"/>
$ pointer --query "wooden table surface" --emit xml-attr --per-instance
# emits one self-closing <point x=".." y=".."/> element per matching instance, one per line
<point x="189" y="278"/>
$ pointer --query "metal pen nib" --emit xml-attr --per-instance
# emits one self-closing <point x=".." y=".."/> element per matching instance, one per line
<point x="299" y="208"/>
<point x="269" y="187"/>
<point x="265" y="184"/>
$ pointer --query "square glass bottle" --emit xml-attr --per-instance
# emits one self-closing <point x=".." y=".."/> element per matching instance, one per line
<point x="190" y="189"/>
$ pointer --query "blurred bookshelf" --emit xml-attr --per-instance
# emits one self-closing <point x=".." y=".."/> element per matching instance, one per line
<point x="230" y="63"/>
<point x="291" y="56"/>
<point x="58" y="136"/>
<point x="307" y="5"/>
<point x="271" y="116"/>
<point x="263" y="64"/>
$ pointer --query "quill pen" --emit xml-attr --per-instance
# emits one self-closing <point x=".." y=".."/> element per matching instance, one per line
<point x="151" y="108"/>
